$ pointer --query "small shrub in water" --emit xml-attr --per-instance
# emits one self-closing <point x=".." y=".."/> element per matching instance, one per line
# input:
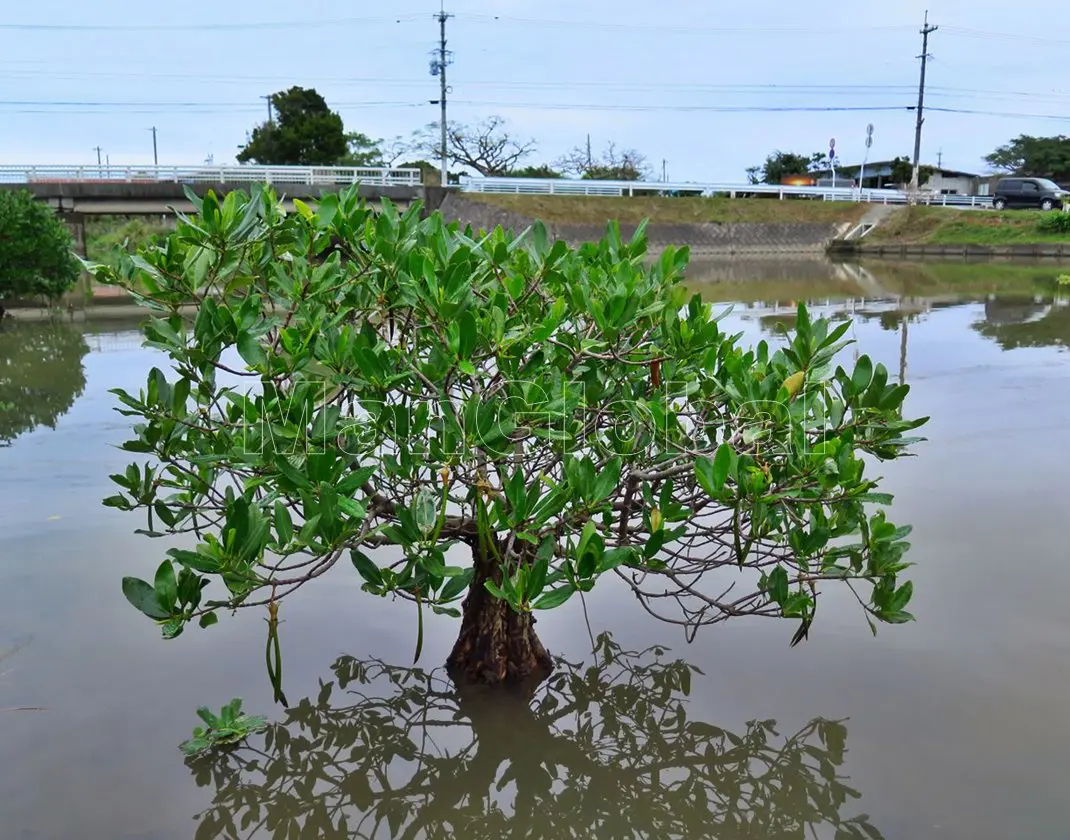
<point x="230" y="726"/>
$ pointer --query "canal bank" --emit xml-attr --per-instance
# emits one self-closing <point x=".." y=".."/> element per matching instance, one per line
<point x="854" y="249"/>
<point x="738" y="228"/>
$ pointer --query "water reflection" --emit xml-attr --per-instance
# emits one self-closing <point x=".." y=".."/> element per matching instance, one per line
<point x="1014" y="323"/>
<point x="41" y="375"/>
<point x="605" y="750"/>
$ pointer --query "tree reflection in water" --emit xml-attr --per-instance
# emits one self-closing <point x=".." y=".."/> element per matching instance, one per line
<point x="41" y="376"/>
<point x="604" y="751"/>
<point x="1013" y="322"/>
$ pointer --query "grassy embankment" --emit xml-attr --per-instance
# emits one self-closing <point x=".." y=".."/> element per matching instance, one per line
<point x="105" y="236"/>
<point x="581" y="209"/>
<point x="943" y="226"/>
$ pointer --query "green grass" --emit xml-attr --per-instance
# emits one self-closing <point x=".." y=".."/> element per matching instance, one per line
<point x="559" y="209"/>
<point x="106" y="235"/>
<point x="942" y="226"/>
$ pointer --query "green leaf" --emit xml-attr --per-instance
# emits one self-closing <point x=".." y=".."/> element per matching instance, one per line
<point x="327" y="209"/>
<point x="537" y="578"/>
<point x="723" y="462"/>
<point x="712" y="475"/>
<point x="469" y="335"/>
<point x="250" y="350"/>
<point x="778" y="585"/>
<point x="194" y="560"/>
<point x="284" y="526"/>
<point x="166" y="586"/>
<point x="616" y="557"/>
<point x="456" y="585"/>
<point x="143" y="597"/>
<point x="862" y="376"/>
<point x="607" y="480"/>
<point x="366" y="567"/>
<point x="553" y="598"/>
<point x="208" y="619"/>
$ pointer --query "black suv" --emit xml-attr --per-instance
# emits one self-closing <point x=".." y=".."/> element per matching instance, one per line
<point x="1028" y="192"/>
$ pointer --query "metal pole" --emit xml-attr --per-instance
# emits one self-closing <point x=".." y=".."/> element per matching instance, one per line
<point x="155" y="155"/>
<point x="865" y="160"/>
<point x="98" y="150"/>
<point x="442" y="18"/>
<point x="915" y="175"/>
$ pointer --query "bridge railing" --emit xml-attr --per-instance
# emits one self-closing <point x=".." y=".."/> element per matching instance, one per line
<point x="325" y="175"/>
<point x="565" y="186"/>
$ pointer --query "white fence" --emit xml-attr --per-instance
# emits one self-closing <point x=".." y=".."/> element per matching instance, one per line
<point x="562" y="186"/>
<point x="326" y="175"/>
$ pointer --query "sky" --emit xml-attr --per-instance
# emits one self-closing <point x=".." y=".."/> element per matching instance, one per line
<point x="702" y="89"/>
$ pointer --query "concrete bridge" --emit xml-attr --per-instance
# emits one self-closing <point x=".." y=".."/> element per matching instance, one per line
<point x="79" y="191"/>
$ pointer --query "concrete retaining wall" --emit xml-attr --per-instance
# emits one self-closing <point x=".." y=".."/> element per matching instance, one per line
<point x="1050" y="250"/>
<point x="708" y="238"/>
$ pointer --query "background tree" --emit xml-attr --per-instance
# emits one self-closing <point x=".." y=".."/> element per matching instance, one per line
<point x="1046" y="157"/>
<point x="542" y="170"/>
<point x="515" y="418"/>
<point x="36" y="251"/>
<point x="903" y="172"/>
<point x="304" y="132"/>
<point x="780" y="165"/>
<point x="41" y="375"/>
<point x="362" y="151"/>
<point x="486" y="146"/>
<point x="609" y="749"/>
<point x="612" y="165"/>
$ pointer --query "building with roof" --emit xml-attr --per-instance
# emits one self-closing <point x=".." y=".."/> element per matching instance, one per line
<point x="942" y="181"/>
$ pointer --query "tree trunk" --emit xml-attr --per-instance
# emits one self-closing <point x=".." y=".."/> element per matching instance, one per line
<point x="497" y="646"/>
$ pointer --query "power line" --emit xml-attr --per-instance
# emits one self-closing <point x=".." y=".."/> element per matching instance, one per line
<point x="1016" y="115"/>
<point x="682" y="28"/>
<point x="202" y="27"/>
<point x="599" y="106"/>
<point x="105" y="104"/>
<point x="1002" y="36"/>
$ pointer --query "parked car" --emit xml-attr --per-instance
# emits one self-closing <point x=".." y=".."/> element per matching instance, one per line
<point x="1037" y="193"/>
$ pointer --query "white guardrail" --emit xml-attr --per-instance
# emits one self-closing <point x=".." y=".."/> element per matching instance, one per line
<point x="561" y="186"/>
<point x="327" y="175"/>
<point x="341" y="175"/>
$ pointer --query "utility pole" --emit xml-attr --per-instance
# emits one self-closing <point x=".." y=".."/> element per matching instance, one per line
<point x="155" y="156"/>
<point x="271" y="114"/>
<point x="590" y="162"/>
<point x="664" y="171"/>
<point x="926" y="30"/>
<point x="98" y="150"/>
<point x="940" y="159"/>
<point x="438" y="68"/>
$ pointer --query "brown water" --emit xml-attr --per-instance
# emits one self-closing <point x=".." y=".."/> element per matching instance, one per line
<point x="952" y="727"/>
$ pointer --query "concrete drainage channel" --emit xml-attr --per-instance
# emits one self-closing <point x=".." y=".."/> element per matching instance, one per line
<point x="874" y="216"/>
